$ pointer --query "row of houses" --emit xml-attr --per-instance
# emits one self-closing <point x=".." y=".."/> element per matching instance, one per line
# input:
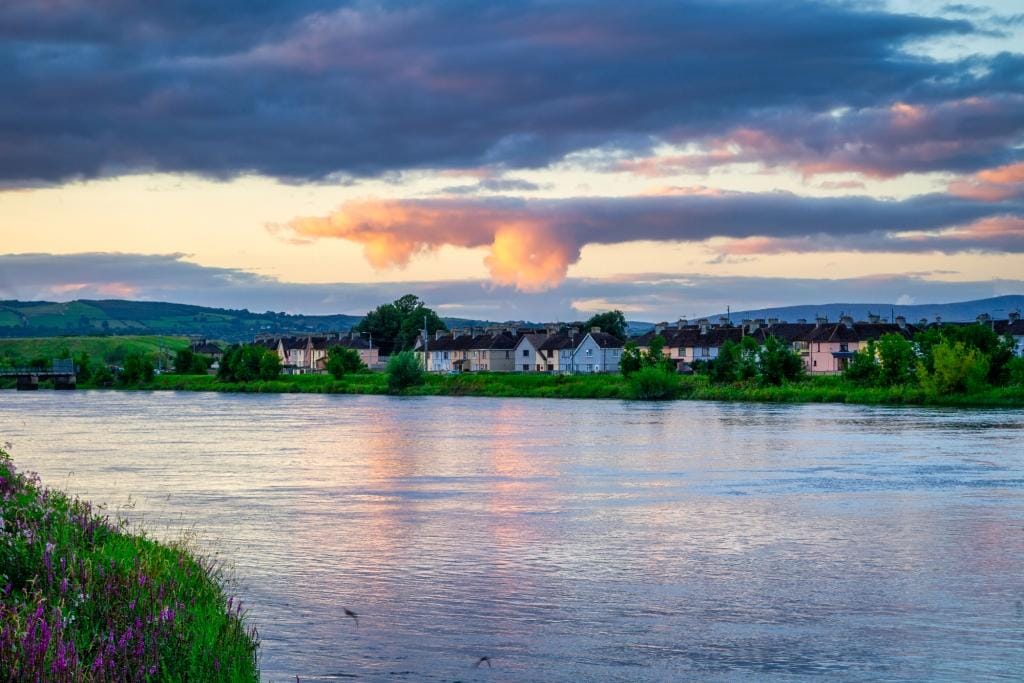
<point x="825" y="347"/>
<point x="308" y="354"/>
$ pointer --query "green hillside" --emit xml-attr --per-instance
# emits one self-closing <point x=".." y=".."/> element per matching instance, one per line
<point x="117" y="317"/>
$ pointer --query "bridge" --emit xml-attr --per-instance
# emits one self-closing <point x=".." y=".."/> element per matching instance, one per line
<point x="62" y="372"/>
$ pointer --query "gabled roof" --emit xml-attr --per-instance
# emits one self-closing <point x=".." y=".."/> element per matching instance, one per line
<point x="605" y="340"/>
<point x="787" y="332"/>
<point x="560" y="341"/>
<point x="1014" y="327"/>
<point x="292" y="343"/>
<point x="536" y="340"/>
<point x="207" y="348"/>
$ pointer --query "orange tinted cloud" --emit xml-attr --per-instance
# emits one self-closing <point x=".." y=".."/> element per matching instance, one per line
<point x="527" y="250"/>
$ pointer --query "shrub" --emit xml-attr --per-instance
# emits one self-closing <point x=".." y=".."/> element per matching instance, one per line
<point x="653" y="384"/>
<point x="404" y="371"/>
<point x="896" y="358"/>
<point x="1015" y="371"/>
<point x="863" y="368"/>
<point x="629" y="361"/>
<point x="778" y="363"/>
<point x="187" y="362"/>
<point x="342" y="361"/>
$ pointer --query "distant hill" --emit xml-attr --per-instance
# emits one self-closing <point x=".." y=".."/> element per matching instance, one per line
<point x="997" y="307"/>
<point x="120" y="317"/>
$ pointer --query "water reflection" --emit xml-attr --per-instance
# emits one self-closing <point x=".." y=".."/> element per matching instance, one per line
<point x="575" y="540"/>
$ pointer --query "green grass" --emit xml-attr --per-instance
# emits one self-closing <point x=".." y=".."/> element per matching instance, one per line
<point x="531" y="385"/>
<point x="84" y="599"/>
<point x="108" y="349"/>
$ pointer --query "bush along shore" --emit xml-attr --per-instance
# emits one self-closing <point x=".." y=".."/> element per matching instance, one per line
<point x="82" y="599"/>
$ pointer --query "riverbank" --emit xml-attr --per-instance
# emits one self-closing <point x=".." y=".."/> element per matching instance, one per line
<point x="84" y="599"/>
<point x="832" y="389"/>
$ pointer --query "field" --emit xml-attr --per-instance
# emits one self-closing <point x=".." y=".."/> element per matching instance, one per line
<point x="108" y="349"/>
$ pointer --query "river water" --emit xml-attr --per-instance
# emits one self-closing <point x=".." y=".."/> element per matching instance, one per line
<point x="573" y="540"/>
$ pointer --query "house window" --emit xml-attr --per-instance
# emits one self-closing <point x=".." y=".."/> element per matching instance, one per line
<point x="508" y="354"/>
<point x="526" y="367"/>
<point x="446" y="355"/>
<point x="590" y="352"/>
<point x="819" y="347"/>
<point x="844" y="347"/>
<point x="526" y="353"/>
<point x="815" y="363"/>
<point x="705" y="351"/>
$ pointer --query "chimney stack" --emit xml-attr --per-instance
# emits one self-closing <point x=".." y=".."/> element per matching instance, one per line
<point x="938" y="320"/>
<point x="773" y="321"/>
<point x="901" y="321"/>
<point x="683" y="322"/>
<point x="1014" y="316"/>
<point x="923" y="322"/>
<point x="660" y="327"/>
<point x="821" y="321"/>
<point x="801" y="321"/>
<point x="438" y="334"/>
<point x="595" y="330"/>
<point x="847" y="320"/>
<point x="703" y="324"/>
<point x="874" y="318"/>
<point x="723" y="321"/>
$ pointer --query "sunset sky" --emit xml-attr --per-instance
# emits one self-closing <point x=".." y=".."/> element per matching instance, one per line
<point x="538" y="160"/>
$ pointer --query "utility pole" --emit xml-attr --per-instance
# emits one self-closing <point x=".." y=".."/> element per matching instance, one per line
<point x="426" y="353"/>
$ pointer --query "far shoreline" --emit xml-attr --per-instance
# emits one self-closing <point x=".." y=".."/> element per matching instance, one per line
<point x="821" y="389"/>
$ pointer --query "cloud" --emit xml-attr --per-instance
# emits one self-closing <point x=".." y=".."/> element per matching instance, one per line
<point x="992" y="184"/>
<point x="532" y="243"/>
<point x="312" y="90"/>
<point x="650" y="296"/>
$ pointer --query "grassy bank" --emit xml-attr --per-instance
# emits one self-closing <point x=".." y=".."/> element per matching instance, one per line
<point x="83" y="599"/>
<point x="810" y="390"/>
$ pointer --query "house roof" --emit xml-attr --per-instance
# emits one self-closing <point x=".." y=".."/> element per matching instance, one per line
<point x="560" y="341"/>
<point x="535" y="339"/>
<point x="840" y="332"/>
<point x="207" y="348"/>
<point x="605" y="340"/>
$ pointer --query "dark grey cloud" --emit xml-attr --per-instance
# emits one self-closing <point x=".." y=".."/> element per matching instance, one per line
<point x="647" y="296"/>
<point x="306" y="90"/>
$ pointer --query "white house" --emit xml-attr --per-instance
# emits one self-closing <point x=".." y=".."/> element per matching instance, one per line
<point x="527" y="353"/>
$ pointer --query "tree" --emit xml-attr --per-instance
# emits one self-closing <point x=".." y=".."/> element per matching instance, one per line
<point x="612" y="322"/>
<point x="725" y="368"/>
<point x="400" y="322"/>
<point x="83" y="367"/>
<point x="653" y="384"/>
<point x="404" y="371"/>
<point x="897" y="359"/>
<point x="778" y="363"/>
<point x="630" y="360"/>
<point x="138" y="369"/>
<point x="957" y="369"/>
<point x="247" y="363"/>
<point x="341" y="361"/>
<point x="863" y="368"/>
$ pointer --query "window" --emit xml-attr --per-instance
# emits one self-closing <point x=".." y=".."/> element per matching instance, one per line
<point x="526" y="367"/>
<point x="526" y="353"/>
<point x="819" y="347"/>
<point x="590" y="352"/>
<point x="844" y="347"/>
<point x="705" y="351"/>
<point x="508" y="354"/>
<point x="446" y="355"/>
<point x="815" y="363"/>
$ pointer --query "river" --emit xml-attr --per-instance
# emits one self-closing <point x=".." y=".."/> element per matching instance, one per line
<point x="573" y="540"/>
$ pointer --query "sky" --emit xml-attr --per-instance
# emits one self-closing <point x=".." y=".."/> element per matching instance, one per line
<point x="517" y="160"/>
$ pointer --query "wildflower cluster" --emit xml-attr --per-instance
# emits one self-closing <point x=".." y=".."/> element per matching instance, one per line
<point x="81" y="599"/>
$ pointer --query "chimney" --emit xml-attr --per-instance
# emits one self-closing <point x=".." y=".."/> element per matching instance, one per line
<point x="660" y="327"/>
<point x="923" y="322"/>
<point x="847" y="320"/>
<point x="984" y="319"/>
<point x="821" y="321"/>
<point x="773" y="321"/>
<point x="801" y="321"/>
<point x="874" y="318"/>
<point x="938" y="320"/>
<point x="574" y="331"/>
<point x="703" y="324"/>
<point x="723" y="321"/>
<point x="901" y="321"/>
<point x="438" y="334"/>
<point x="1014" y="316"/>
<point x="683" y="322"/>
<point x="595" y="329"/>
<point x="758" y="323"/>
<point x="550" y="329"/>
